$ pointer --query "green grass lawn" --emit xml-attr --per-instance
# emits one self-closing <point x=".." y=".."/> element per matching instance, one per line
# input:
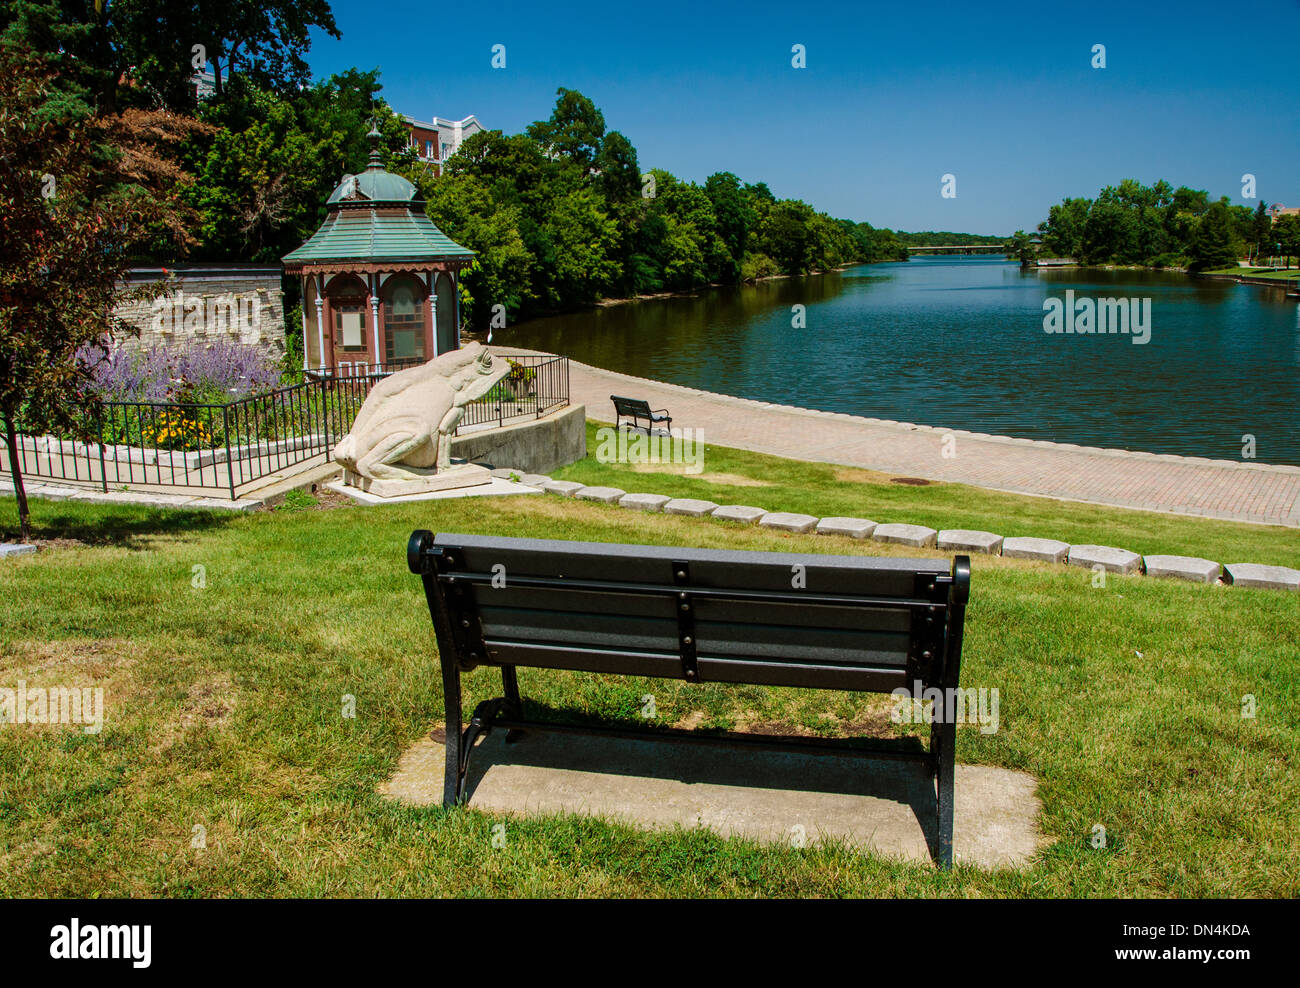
<point x="1291" y="274"/>
<point x="224" y="704"/>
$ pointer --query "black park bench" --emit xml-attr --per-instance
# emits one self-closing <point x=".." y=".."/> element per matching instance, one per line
<point x="636" y="410"/>
<point x="703" y="615"/>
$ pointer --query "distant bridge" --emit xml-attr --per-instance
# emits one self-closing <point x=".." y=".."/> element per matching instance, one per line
<point x="960" y="249"/>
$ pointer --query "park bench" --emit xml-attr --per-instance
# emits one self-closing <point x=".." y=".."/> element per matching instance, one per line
<point x="636" y="410"/>
<point x="703" y="615"/>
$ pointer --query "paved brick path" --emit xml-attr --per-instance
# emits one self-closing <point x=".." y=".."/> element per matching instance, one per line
<point x="1155" y="482"/>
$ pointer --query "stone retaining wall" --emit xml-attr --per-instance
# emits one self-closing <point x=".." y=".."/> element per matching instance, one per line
<point x="235" y="303"/>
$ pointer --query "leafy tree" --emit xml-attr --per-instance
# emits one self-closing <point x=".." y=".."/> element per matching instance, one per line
<point x="264" y="175"/>
<point x="501" y="273"/>
<point x="141" y="52"/>
<point x="583" y="241"/>
<point x="788" y="237"/>
<point x="1212" y="245"/>
<point x="1261" y="228"/>
<point x="620" y="175"/>
<point x="1062" y="231"/>
<point x="574" y="130"/>
<point x="1286" y="231"/>
<point x="78" y="195"/>
<point x="732" y="211"/>
<point x="1022" y="248"/>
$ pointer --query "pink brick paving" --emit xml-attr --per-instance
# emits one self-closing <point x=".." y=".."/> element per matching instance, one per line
<point x="1221" y="489"/>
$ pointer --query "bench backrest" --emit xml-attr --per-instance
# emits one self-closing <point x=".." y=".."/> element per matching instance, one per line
<point x="709" y="615"/>
<point x="630" y="406"/>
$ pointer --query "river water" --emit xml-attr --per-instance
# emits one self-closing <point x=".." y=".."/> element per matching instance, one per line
<point x="959" y="342"/>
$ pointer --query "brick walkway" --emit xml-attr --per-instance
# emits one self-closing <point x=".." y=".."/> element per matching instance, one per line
<point x="1155" y="482"/>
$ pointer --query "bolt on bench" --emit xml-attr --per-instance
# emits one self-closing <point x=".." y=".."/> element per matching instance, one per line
<point x="703" y="615"/>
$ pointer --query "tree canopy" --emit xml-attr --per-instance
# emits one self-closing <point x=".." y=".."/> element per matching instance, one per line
<point x="1155" y="225"/>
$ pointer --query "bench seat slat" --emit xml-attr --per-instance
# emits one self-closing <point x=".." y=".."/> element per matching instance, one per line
<point x="868" y="679"/>
<point x="736" y="568"/>
<point x="626" y="605"/>
<point x="784" y="644"/>
<point x="629" y="632"/>
<point x="661" y="665"/>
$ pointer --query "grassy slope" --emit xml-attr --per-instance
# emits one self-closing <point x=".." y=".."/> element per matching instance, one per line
<point x="824" y="489"/>
<point x="1269" y="273"/>
<point x="224" y="710"/>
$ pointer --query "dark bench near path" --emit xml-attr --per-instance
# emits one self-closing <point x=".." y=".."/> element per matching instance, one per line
<point x="637" y="410"/>
<point x="703" y="615"/>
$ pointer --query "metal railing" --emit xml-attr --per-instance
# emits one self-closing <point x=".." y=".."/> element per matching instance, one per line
<point x="225" y="448"/>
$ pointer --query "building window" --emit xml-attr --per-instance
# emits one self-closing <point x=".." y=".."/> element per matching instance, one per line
<point x="446" y="149"/>
<point x="349" y="329"/>
<point x="403" y="323"/>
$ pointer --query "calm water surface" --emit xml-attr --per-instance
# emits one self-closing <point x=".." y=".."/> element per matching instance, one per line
<point x="958" y="342"/>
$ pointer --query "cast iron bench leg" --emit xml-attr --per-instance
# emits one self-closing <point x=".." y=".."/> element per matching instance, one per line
<point x="451" y="699"/>
<point x="944" y="738"/>
<point x="514" y="705"/>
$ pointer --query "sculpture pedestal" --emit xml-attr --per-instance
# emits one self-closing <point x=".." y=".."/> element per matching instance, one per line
<point x="463" y="475"/>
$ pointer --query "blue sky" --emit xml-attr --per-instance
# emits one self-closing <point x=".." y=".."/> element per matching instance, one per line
<point x="1000" y="94"/>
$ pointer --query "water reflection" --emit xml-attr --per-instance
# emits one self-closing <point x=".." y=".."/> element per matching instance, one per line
<point x="959" y="342"/>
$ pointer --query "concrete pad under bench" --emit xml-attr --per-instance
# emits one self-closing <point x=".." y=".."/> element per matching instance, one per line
<point x="740" y="512"/>
<point x="969" y="540"/>
<point x="917" y="536"/>
<point x="854" y="528"/>
<point x="773" y="797"/>
<point x="605" y="495"/>
<point x="1044" y="550"/>
<point x="1183" y="568"/>
<point x="689" y="506"/>
<point x="1108" y="557"/>
<point x="1266" y="577"/>
<point x="788" y="521"/>
<point x="644" y="502"/>
<point x="564" y="488"/>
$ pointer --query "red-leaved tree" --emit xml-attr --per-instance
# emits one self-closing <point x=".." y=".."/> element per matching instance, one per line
<point x="76" y="194"/>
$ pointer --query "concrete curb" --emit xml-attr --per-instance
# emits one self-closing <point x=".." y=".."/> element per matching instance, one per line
<point x="1110" y="558"/>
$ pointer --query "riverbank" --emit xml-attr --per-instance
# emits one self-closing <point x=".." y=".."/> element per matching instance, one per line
<point x="689" y="292"/>
<point x="1267" y="277"/>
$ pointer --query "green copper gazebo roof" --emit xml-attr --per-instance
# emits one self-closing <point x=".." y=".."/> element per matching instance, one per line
<point x="376" y="185"/>
<point x="366" y="235"/>
<point x="374" y="216"/>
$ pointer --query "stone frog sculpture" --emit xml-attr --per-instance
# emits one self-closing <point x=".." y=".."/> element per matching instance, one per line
<point x="406" y="424"/>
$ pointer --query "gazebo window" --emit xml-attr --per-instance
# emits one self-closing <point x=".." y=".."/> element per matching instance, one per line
<point x="403" y="323"/>
<point x="349" y="328"/>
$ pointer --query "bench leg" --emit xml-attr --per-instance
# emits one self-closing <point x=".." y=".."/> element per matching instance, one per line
<point x="510" y="681"/>
<point x="943" y="740"/>
<point x="454" y="773"/>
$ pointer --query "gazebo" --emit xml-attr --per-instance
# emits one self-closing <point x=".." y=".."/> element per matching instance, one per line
<point x="377" y="253"/>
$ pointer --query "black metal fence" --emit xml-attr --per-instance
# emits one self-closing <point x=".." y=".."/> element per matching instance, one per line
<point x="226" y="448"/>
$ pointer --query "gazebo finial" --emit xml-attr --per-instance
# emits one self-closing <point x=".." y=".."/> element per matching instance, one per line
<point x="376" y="159"/>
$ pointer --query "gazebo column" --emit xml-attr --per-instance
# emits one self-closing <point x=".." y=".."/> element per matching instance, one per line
<point x="320" y="328"/>
<point x="433" y="311"/>
<point x="374" y="317"/>
<point x="455" y="296"/>
<point x="306" y="349"/>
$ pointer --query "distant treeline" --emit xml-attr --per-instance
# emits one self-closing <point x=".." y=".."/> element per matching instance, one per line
<point x="931" y="238"/>
<point x="562" y="216"/>
<point x="1161" y="226"/>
